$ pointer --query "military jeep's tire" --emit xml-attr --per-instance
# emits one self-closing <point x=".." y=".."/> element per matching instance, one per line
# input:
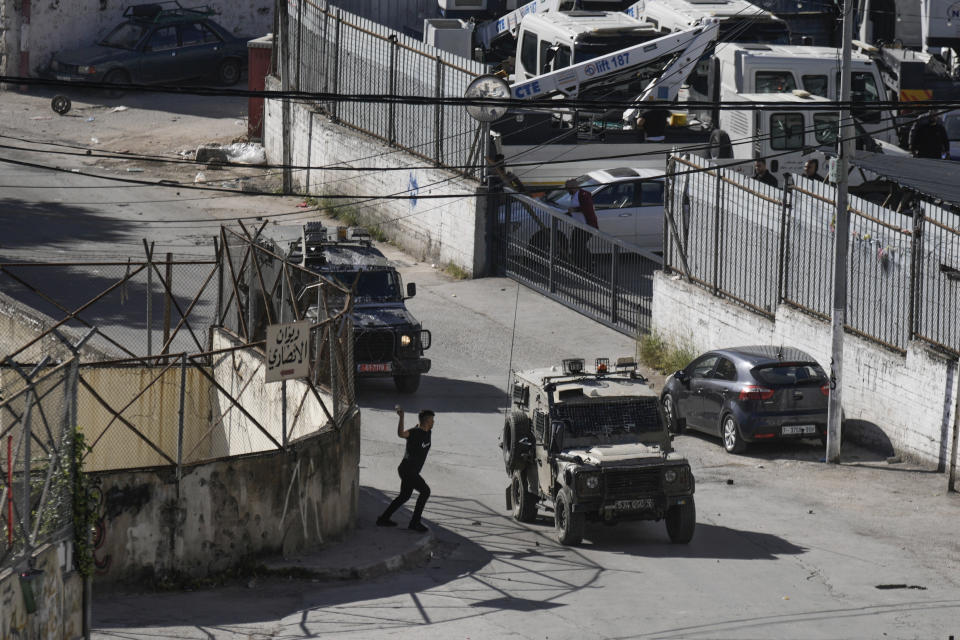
<point x="515" y="430"/>
<point x="681" y="522"/>
<point x="524" y="502"/>
<point x="568" y="524"/>
<point x="407" y="383"/>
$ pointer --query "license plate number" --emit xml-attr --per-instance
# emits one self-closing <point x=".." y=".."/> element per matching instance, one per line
<point x="633" y="505"/>
<point x="375" y="367"/>
<point x="799" y="429"/>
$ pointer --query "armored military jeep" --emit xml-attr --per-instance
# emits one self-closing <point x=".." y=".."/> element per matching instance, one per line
<point x="388" y="340"/>
<point x="593" y="446"/>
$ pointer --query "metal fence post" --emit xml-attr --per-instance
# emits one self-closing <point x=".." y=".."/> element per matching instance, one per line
<point x="334" y="112"/>
<point x="614" y="258"/>
<point x="25" y="489"/>
<point x="716" y="234"/>
<point x="916" y="270"/>
<point x="299" y="38"/>
<point x="149" y="252"/>
<point x="784" y="249"/>
<point x="551" y="255"/>
<point x="438" y="113"/>
<point x="334" y="387"/>
<point x="951" y="479"/>
<point x="180" y="416"/>
<point x="392" y="107"/>
<point x="167" y="302"/>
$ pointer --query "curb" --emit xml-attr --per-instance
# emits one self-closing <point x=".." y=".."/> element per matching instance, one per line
<point x="421" y="551"/>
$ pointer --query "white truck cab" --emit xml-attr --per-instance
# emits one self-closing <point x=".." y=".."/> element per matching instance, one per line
<point x="768" y="69"/>
<point x="552" y="41"/>
<point x="740" y="21"/>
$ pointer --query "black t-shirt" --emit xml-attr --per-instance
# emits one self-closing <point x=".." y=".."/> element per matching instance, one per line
<point x="418" y="446"/>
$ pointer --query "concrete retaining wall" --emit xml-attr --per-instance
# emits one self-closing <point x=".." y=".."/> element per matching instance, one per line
<point x="442" y="230"/>
<point x="57" y="593"/>
<point x="899" y="404"/>
<point x="228" y="510"/>
<point x="66" y="24"/>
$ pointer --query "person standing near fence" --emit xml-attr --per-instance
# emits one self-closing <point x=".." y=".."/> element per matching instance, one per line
<point x="418" y="446"/>
<point x="580" y="209"/>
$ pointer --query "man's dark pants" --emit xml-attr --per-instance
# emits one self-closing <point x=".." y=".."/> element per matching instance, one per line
<point x="409" y="480"/>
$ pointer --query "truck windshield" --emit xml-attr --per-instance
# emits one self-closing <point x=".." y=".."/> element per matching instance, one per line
<point x="592" y="46"/>
<point x="372" y="286"/>
<point x="608" y="418"/>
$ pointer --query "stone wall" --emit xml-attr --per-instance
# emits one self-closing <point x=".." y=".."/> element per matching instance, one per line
<point x="57" y="593"/>
<point x="228" y="511"/>
<point x="442" y="230"/>
<point x="895" y="403"/>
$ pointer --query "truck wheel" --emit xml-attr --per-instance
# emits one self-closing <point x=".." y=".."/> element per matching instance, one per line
<point x="408" y="383"/>
<point x="681" y="521"/>
<point x="720" y="146"/>
<point x="732" y="438"/>
<point x="516" y="430"/>
<point x="569" y="525"/>
<point x="524" y="502"/>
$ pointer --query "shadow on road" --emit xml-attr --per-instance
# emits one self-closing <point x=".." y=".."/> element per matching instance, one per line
<point x="446" y="394"/>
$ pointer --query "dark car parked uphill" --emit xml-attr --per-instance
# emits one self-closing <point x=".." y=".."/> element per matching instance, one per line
<point x="746" y="394"/>
<point x="158" y="43"/>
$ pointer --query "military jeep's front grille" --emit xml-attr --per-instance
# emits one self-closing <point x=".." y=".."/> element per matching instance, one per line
<point x="374" y="346"/>
<point x="627" y="483"/>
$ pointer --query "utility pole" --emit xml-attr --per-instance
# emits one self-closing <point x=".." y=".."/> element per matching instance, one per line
<point x="284" y="66"/>
<point x="841" y="241"/>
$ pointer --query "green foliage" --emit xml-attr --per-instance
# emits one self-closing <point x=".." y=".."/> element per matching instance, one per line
<point x="456" y="272"/>
<point x="84" y="508"/>
<point x="658" y="353"/>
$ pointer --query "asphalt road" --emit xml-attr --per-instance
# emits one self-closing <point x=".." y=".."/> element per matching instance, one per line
<point x="785" y="547"/>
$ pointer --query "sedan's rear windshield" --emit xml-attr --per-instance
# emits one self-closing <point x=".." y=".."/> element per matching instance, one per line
<point x="790" y="373"/>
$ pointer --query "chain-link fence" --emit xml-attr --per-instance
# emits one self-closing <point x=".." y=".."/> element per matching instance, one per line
<point x="760" y="246"/>
<point x="155" y="305"/>
<point x="332" y="51"/>
<point x="36" y="450"/>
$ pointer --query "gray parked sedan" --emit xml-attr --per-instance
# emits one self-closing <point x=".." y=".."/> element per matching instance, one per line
<point x="158" y="43"/>
<point x="746" y="394"/>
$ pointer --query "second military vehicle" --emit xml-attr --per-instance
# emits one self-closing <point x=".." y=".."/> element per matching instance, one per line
<point x="593" y="447"/>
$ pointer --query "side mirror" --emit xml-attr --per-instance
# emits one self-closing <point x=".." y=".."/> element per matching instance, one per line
<point x="682" y="377"/>
<point x="411" y="289"/>
<point x="774" y="165"/>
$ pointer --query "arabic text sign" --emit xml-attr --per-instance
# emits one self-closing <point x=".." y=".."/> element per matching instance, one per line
<point x="287" y="349"/>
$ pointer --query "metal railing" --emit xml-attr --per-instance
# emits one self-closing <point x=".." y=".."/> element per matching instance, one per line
<point x="598" y="275"/>
<point x="760" y="246"/>
<point x="332" y="51"/>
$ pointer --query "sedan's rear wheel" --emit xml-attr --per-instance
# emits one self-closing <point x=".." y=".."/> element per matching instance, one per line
<point x="732" y="438"/>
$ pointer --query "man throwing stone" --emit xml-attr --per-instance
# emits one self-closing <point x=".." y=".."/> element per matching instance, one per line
<point x="418" y="445"/>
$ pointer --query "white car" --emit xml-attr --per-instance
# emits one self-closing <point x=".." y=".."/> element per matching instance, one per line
<point x="951" y="122"/>
<point x="628" y="203"/>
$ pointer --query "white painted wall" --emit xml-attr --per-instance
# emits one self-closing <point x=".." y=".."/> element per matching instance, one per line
<point x="442" y="230"/>
<point x="67" y="24"/>
<point x="889" y="400"/>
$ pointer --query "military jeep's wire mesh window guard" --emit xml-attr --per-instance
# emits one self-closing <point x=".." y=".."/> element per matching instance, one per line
<point x="608" y="417"/>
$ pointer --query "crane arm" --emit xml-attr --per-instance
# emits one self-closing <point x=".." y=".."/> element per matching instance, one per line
<point x="681" y="49"/>
<point x="510" y="22"/>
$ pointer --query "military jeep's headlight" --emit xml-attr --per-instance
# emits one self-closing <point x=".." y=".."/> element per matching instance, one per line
<point x="405" y="340"/>
<point x="592" y="482"/>
<point x="670" y="476"/>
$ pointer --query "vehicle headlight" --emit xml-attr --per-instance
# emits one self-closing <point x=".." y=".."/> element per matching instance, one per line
<point x="670" y="476"/>
<point x="405" y="340"/>
<point x="87" y="70"/>
<point x="592" y="482"/>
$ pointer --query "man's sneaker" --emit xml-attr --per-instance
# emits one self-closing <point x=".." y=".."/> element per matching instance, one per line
<point x="385" y="522"/>
<point x="418" y="527"/>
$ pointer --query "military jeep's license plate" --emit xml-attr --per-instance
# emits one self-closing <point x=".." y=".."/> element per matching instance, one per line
<point x="799" y="429"/>
<point x="375" y="367"/>
<point x="633" y="505"/>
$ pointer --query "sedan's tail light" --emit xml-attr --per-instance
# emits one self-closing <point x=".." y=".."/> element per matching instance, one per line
<point x="825" y="388"/>
<point x="753" y="392"/>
